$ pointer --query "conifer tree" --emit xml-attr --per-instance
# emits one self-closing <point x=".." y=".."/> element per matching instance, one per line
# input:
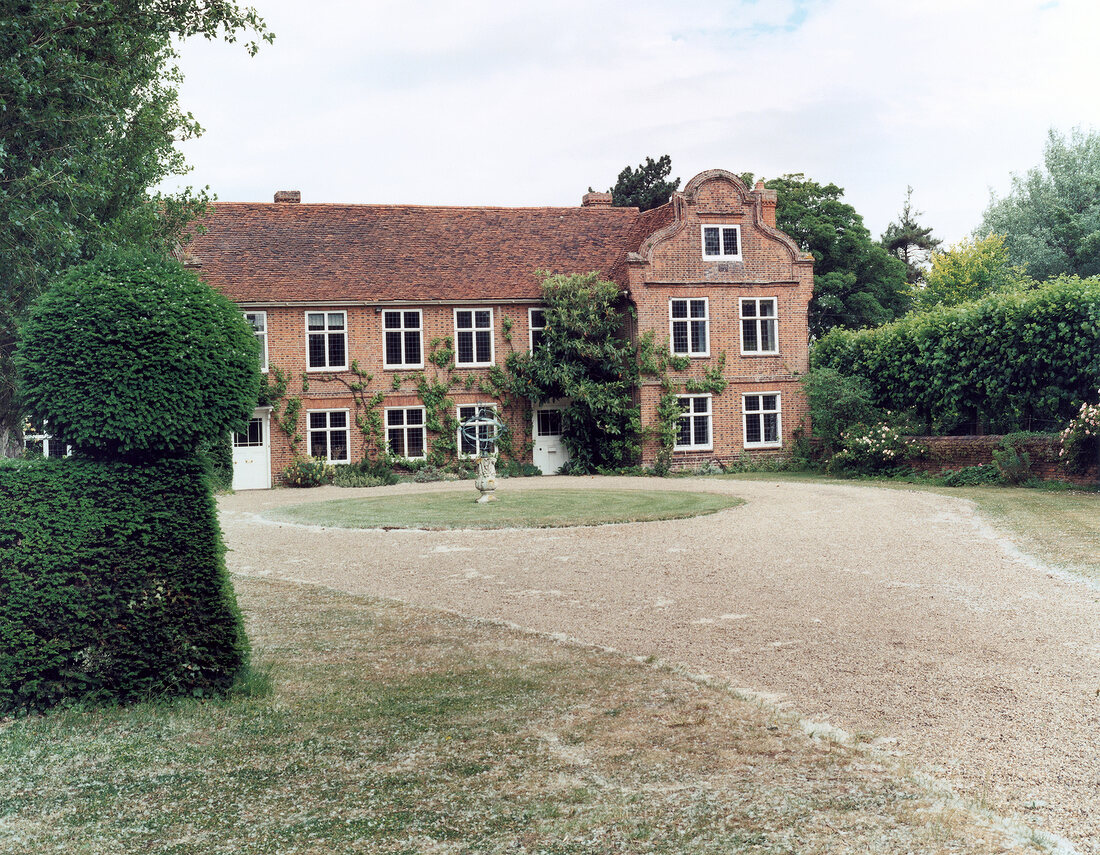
<point x="909" y="240"/>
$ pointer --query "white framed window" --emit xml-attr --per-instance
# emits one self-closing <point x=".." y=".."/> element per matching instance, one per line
<point x="405" y="432"/>
<point x="547" y="422"/>
<point x="258" y="321"/>
<point x="689" y="326"/>
<point x="473" y="337"/>
<point x="763" y="427"/>
<point x="402" y="331"/>
<point x="327" y="341"/>
<point x="480" y="417"/>
<point x="536" y="323"/>
<point x="758" y="325"/>
<point x="693" y="429"/>
<point x="328" y="435"/>
<point x="251" y="437"/>
<point x="721" y="243"/>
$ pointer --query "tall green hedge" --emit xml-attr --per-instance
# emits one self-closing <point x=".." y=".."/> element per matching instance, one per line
<point x="113" y="584"/>
<point x="130" y="355"/>
<point x="1014" y="361"/>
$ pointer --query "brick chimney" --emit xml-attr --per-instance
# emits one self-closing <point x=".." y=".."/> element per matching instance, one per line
<point x="293" y="196"/>
<point x="767" y="203"/>
<point x="596" y="200"/>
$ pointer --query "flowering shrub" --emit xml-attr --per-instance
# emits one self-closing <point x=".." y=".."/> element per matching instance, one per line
<point x="871" y="448"/>
<point x="1080" y="439"/>
<point x="308" y="472"/>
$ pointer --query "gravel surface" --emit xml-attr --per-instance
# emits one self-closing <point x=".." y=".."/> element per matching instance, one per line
<point x="891" y="613"/>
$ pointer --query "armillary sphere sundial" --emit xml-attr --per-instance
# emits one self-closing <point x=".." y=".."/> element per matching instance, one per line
<point x="482" y="430"/>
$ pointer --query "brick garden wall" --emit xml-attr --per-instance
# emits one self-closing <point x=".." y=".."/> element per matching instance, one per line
<point x="955" y="452"/>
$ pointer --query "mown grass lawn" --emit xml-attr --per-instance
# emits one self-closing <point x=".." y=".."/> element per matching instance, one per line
<point x="526" y="509"/>
<point x="392" y="730"/>
<point x="1059" y="527"/>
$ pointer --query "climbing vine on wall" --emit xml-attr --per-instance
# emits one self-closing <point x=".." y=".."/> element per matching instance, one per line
<point x="657" y="362"/>
<point x="285" y="408"/>
<point x="583" y="358"/>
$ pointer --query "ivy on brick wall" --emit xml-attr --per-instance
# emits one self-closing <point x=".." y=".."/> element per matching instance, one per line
<point x="583" y="359"/>
<point x="285" y="408"/>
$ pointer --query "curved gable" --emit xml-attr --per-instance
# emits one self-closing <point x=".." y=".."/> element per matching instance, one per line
<point x="718" y="198"/>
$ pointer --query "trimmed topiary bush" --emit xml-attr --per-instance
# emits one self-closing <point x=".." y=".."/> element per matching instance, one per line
<point x="131" y="356"/>
<point x="113" y="584"/>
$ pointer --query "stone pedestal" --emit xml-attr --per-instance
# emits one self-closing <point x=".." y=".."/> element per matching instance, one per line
<point x="486" y="481"/>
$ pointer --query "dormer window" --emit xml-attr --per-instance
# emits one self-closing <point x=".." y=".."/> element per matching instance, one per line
<point x="722" y="243"/>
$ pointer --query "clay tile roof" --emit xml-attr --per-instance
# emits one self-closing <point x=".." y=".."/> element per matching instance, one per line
<point x="257" y="252"/>
<point x="646" y="224"/>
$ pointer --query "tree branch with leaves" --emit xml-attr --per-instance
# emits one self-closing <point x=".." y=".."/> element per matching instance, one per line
<point x="89" y="122"/>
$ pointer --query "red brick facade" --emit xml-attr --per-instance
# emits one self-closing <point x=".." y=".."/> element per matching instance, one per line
<point x="670" y="265"/>
<point x="358" y="262"/>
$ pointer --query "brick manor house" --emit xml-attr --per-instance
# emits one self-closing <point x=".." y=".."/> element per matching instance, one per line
<point x="382" y="288"/>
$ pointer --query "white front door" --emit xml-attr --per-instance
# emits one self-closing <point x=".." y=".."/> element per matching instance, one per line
<point x="252" y="454"/>
<point x="549" y="453"/>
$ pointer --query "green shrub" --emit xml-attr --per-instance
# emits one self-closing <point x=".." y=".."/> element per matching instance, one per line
<point x="308" y="472"/>
<point x="746" y="462"/>
<point x="837" y="402"/>
<point x="1010" y="359"/>
<point x="367" y="473"/>
<point x="517" y="469"/>
<point x="345" y="476"/>
<point x="382" y="469"/>
<point x="1013" y="465"/>
<point x="112" y="584"/>
<point x="430" y="473"/>
<point x="970" y="476"/>
<point x="217" y="455"/>
<point x="131" y="356"/>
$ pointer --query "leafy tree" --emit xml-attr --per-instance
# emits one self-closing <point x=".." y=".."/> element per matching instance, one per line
<point x="89" y="118"/>
<point x="857" y="283"/>
<point x="645" y="187"/>
<point x="908" y="240"/>
<point x="583" y="357"/>
<point x="1051" y="216"/>
<point x="969" y="270"/>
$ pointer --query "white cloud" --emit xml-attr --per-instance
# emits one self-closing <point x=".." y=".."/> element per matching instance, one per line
<point x="520" y="103"/>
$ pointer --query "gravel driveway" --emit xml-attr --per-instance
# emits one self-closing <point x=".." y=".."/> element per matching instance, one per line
<point x="890" y="613"/>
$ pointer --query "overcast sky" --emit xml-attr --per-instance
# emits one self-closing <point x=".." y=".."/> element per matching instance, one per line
<point x="487" y="102"/>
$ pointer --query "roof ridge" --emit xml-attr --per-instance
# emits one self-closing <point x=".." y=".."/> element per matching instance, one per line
<point x="291" y="206"/>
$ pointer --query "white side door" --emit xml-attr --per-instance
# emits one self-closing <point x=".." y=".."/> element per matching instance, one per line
<point x="549" y="452"/>
<point x="252" y="454"/>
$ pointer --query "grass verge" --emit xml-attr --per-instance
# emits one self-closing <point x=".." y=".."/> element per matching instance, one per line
<point x="528" y="509"/>
<point x="391" y="730"/>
